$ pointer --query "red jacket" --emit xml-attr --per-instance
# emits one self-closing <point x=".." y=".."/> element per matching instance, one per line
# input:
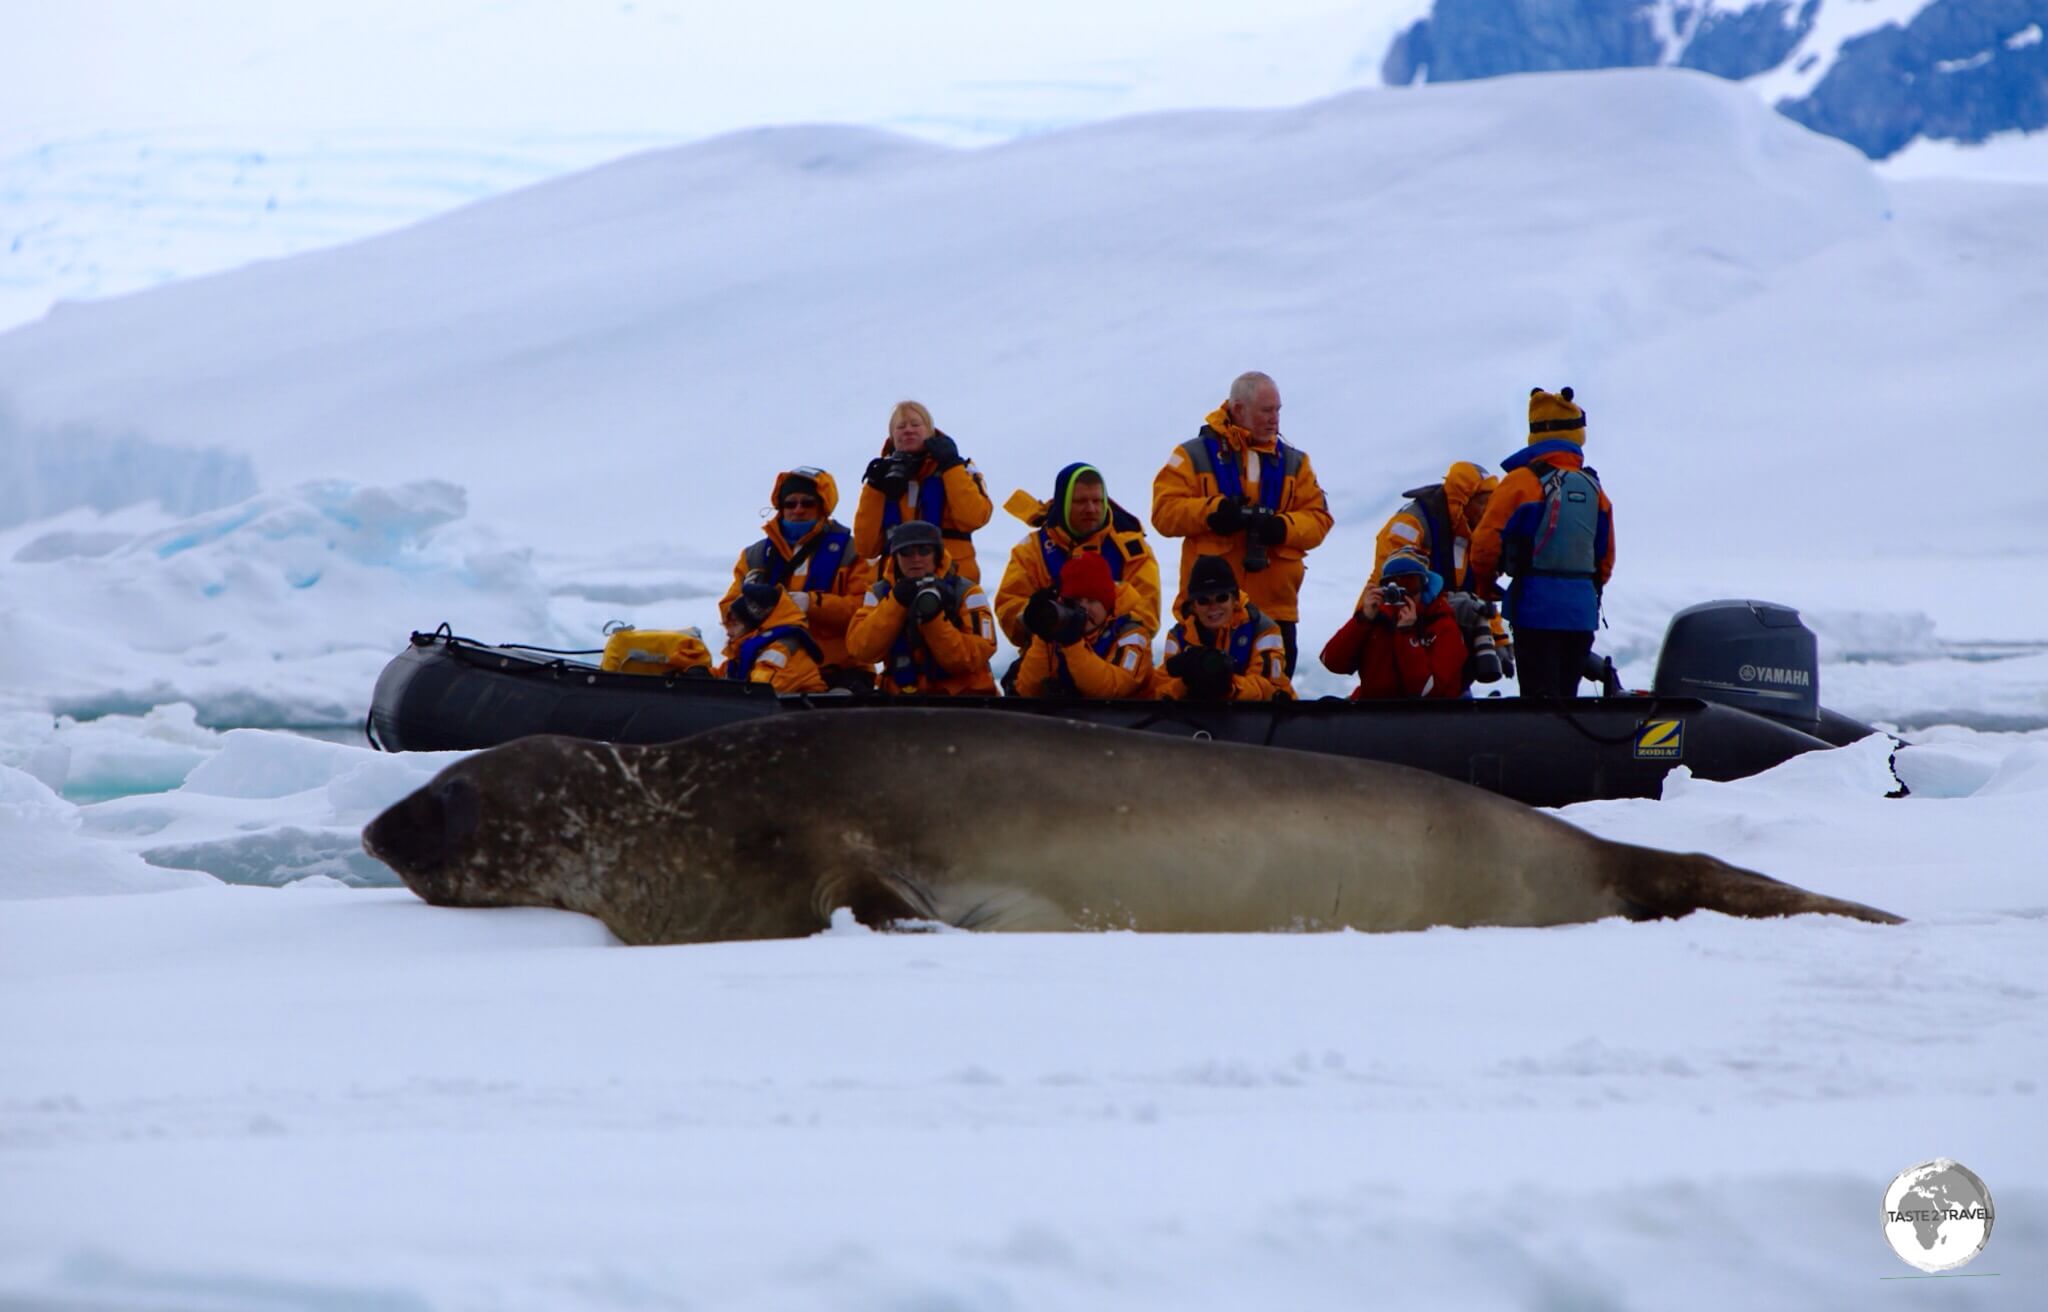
<point x="1427" y="660"/>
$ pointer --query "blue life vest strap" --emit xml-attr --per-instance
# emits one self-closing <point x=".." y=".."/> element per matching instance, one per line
<point x="742" y="663"/>
<point x="824" y="549"/>
<point x="931" y="504"/>
<point x="1274" y="465"/>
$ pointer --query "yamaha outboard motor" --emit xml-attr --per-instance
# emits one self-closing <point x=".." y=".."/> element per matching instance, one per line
<point x="1749" y="654"/>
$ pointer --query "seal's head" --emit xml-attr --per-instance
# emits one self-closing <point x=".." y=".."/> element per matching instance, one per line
<point x="505" y="827"/>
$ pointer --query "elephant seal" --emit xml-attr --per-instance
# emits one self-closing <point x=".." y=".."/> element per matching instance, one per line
<point x="988" y="820"/>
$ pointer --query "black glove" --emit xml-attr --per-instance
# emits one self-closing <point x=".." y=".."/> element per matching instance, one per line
<point x="1209" y="679"/>
<point x="1181" y="663"/>
<point x="905" y="591"/>
<point x="1042" y="614"/>
<point x="929" y="601"/>
<point x="1227" y="518"/>
<point x="885" y="475"/>
<point x="1271" y="528"/>
<point x="944" y="451"/>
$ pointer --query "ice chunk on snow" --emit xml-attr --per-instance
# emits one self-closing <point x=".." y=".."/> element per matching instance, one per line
<point x="46" y="857"/>
<point x="255" y="763"/>
<point x="1945" y="771"/>
<point x="274" y="856"/>
<point x="1862" y="769"/>
<point x="317" y="881"/>
<point x="2024" y="771"/>
<point x="51" y="470"/>
<point x="371" y="783"/>
<point x="279" y="609"/>
<point x="113" y="756"/>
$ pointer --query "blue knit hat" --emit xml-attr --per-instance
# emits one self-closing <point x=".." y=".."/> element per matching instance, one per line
<point x="1402" y="565"/>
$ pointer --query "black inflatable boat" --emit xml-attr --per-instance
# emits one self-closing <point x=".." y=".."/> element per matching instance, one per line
<point x="1736" y="693"/>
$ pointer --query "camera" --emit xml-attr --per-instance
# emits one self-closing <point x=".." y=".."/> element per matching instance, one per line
<point x="1393" y="596"/>
<point x="1254" y="546"/>
<point x="902" y="468"/>
<point x="928" y="599"/>
<point x="1054" y="620"/>
<point x="891" y="474"/>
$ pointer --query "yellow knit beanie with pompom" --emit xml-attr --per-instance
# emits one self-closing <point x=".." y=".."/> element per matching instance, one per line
<point x="1553" y="414"/>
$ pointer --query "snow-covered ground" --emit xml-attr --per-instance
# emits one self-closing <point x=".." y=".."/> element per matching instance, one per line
<point x="233" y="1097"/>
<point x="225" y="502"/>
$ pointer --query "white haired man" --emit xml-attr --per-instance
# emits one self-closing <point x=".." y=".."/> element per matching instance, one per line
<point x="1237" y="490"/>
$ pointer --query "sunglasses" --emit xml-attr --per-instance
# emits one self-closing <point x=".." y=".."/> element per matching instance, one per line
<point x="1213" y="598"/>
<point x="917" y="551"/>
<point x="801" y="503"/>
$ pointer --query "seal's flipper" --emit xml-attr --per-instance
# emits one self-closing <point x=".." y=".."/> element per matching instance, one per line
<point x="878" y="896"/>
<point x="1653" y="884"/>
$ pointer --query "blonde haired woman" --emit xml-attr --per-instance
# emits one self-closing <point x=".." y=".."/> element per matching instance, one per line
<point x="921" y="475"/>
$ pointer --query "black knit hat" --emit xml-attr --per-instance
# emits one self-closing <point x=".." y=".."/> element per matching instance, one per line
<point x="1211" y="574"/>
<point x="914" y="533"/>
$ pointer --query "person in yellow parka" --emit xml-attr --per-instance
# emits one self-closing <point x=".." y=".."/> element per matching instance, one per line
<point x="1236" y="490"/>
<point x="1224" y="648"/>
<point x="766" y="641"/>
<point x="1436" y="525"/>
<point x="810" y="555"/>
<point x="1079" y="519"/>
<point x="930" y="628"/>
<point x="1080" y="646"/>
<point x="922" y="475"/>
<point x="1551" y="528"/>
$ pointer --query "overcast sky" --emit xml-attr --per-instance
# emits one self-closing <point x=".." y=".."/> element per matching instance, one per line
<point x="88" y="65"/>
